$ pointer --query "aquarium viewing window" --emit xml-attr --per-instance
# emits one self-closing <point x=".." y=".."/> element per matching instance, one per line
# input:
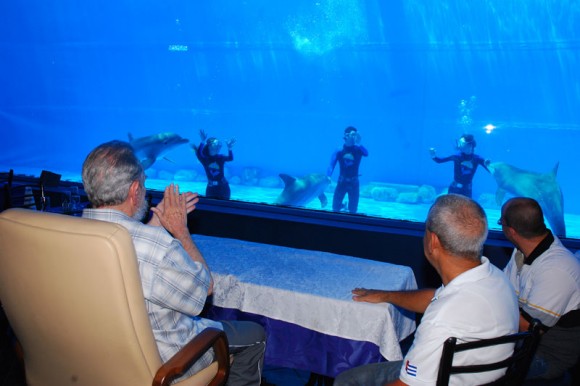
<point x="479" y="97"/>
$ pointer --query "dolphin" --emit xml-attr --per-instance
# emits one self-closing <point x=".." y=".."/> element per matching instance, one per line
<point x="300" y="191"/>
<point x="542" y="187"/>
<point x="149" y="149"/>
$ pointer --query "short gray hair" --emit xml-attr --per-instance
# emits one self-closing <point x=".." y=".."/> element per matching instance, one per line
<point x="108" y="172"/>
<point x="460" y="224"/>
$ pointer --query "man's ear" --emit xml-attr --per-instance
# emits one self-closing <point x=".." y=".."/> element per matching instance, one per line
<point x="511" y="232"/>
<point x="134" y="191"/>
<point x="434" y="241"/>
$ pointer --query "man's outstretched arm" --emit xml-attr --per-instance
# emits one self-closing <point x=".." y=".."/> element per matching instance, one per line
<point x="415" y="301"/>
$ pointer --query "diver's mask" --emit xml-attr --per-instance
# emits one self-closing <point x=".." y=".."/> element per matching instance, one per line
<point x="214" y="144"/>
<point x="465" y="143"/>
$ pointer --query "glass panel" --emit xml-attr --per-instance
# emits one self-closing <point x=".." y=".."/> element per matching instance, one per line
<point x="286" y="78"/>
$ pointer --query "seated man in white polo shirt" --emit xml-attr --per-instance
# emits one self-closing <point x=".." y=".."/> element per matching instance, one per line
<point x="546" y="277"/>
<point x="476" y="301"/>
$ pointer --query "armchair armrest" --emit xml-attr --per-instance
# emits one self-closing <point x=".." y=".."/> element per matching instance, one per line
<point x="191" y="352"/>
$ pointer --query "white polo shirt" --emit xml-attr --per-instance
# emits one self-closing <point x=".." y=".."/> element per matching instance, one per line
<point x="477" y="304"/>
<point x="548" y="286"/>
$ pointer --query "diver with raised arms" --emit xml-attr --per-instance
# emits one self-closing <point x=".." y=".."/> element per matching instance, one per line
<point x="208" y="153"/>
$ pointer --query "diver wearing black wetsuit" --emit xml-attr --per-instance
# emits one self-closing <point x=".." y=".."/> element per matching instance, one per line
<point x="465" y="164"/>
<point x="348" y="158"/>
<point x="217" y="185"/>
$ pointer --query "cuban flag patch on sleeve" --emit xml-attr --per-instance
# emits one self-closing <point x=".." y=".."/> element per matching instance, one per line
<point x="410" y="369"/>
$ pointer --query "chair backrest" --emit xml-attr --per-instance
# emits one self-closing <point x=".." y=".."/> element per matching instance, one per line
<point x="516" y="365"/>
<point x="71" y="290"/>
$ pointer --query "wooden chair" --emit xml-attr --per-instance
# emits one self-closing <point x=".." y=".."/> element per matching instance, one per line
<point x="72" y="293"/>
<point x="517" y="365"/>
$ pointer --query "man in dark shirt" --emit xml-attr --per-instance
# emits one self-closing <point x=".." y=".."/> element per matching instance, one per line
<point x="348" y="159"/>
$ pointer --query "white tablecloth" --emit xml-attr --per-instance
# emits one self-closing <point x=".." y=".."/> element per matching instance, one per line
<point x="309" y="288"/>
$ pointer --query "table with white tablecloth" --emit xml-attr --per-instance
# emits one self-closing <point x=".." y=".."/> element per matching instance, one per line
<point x="304" y="300"/>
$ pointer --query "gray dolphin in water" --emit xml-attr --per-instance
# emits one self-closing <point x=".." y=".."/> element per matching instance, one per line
<point x="149" y="149"/>
<point x="300" y="191"/>
<point x="542" y="187"/>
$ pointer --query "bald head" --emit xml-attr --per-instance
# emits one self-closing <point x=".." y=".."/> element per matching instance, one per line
<point x="525" y="216"/>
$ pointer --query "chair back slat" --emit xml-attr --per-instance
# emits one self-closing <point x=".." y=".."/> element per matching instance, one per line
<point x="517" y="365"/>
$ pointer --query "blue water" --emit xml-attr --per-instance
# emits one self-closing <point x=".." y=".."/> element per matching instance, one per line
<point x="286" y="78"/>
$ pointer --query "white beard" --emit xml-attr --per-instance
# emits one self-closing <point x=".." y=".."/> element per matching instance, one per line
<point x="142" y="210"/>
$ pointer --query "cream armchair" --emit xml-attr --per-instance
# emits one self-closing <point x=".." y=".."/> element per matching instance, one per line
<point x="71" y="290"/>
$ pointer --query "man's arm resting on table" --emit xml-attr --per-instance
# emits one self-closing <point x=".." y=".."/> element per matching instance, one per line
<point x="415" y="301"/>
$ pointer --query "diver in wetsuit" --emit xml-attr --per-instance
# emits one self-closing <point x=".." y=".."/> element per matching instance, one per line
<point x="348" y="159"/>
<point x="465" y="164"/>
<point x="213" y="163"/>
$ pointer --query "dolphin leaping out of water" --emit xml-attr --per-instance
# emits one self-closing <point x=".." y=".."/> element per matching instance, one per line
<point x="300" y="191"/>
<point x="149" y="149"/>
<point x="542" y="187"/>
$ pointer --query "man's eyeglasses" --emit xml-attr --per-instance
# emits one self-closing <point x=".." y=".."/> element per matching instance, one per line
<point x="501" y="221"/>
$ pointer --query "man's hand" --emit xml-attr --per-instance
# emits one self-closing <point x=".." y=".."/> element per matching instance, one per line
<point x="173" y="213"/>
<point x="230" y="143"/>
<point x="357" y="138"/>
<point x="191" y="199"/>
<point x="368" y="295"/>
